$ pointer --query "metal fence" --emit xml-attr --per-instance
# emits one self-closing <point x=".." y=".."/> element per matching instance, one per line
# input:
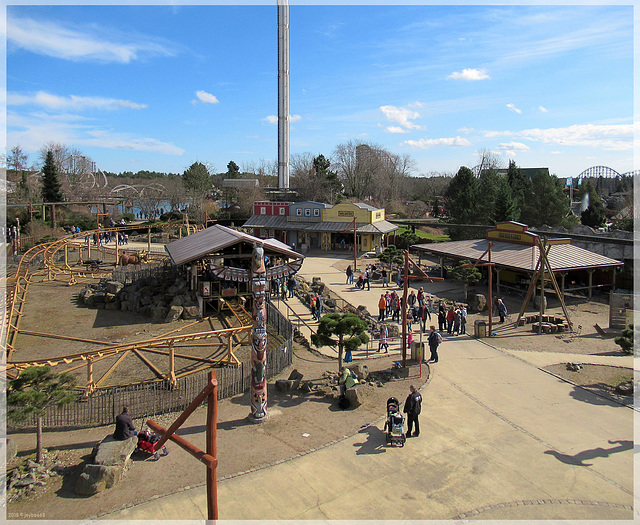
<point x="150" y="399"/>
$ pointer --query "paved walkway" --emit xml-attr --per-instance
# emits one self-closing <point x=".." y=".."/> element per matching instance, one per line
<point x="500" y="439"/>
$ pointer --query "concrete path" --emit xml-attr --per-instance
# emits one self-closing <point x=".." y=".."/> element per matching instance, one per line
<point x="500" y="439"/>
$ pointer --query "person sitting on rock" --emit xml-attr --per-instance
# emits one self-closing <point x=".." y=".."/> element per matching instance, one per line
<point x="124" y="426"/>
<point x="346" y="381"/>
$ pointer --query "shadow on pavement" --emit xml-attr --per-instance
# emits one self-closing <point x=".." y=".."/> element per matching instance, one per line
<point x="375" y="441"/>
<point x="579" y="458"/>
<point x="589" y="396"/>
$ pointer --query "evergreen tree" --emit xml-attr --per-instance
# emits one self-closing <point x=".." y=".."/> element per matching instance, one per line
<point x="520" y="185"/>
<point x="594" y="215"/>
<point x="197" y="179"/>
<point x="329" y="185"/>
<point x="233" y="171"/>
<point x="349" y="328"/>
<point x="546" y="203"/>
<point x="461" y="196"/>
<point x="505" y="207"/>
<point x="436" y="207"/>
<point x="488" y="184"/>
<point x="466" y="274"/>
<point x="51" y="187"/>
<point x="33" y="392"/>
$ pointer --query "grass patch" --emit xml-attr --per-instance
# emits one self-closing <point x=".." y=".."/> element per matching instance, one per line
<point x="431" y="237"/>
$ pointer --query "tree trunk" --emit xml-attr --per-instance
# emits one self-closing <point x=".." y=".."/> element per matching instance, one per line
<point x="39" y="441"/>
<point x="340" y="354"/>
<point x="53" y="216"/>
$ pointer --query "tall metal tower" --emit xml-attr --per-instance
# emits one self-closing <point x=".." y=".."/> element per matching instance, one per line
<point x="283" y="95"/>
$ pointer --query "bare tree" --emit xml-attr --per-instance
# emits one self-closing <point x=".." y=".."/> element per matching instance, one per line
<point x="487" y="160"/>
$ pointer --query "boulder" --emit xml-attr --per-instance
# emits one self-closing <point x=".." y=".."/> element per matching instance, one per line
<point x="296" y="377"/>
<point x="113" y="452"/>
<point x="284" y="385"/>
<point x="625" y="388"/>
<point x="355" y="395"/>
<point x="96" y="478"/>
<point x="112" y="306"/>
<point x="158" y="313"/>
<point x="362" y="371"/>
<point x="113" y="287"/>
<point x="190" y="312"/>
<point x="173" y="314"/>
<point x="478" y="303"/>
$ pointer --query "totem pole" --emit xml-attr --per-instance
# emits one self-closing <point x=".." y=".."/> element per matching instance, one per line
<point x="259" y="346"/>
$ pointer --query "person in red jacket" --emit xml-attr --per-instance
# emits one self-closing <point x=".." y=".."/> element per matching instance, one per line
<point x="451" y="315"/>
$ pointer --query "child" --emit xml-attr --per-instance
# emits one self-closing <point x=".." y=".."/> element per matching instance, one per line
<point x="409" y="339"/>
<point x="384" y="333"/>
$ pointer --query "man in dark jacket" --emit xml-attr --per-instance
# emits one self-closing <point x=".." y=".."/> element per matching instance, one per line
<point x="412" y="407"/>
<point x="124" y="426"/>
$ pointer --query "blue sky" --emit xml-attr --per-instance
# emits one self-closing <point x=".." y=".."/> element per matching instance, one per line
<point x="160" y="87"/>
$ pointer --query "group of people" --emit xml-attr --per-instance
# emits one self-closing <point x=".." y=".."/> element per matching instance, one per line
<point x="316" y="306"/>
<point x="104" y="238"/>
<point x="453" y="319"/>
<point x="286" y="288"/>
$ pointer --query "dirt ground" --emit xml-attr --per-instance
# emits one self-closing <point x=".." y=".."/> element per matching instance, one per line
<point x="297" y="423"/>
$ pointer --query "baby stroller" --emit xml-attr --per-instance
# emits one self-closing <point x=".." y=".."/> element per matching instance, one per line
<point x="394" y="425"/>
<point x="147" y="443"/>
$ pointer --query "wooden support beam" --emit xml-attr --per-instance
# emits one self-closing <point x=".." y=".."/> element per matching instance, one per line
<point x="112" y="368"/>
<point x="153" y="368"/>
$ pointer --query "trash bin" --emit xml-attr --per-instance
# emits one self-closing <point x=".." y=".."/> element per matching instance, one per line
<point x="480" y="329"/>
<point x="417" y="350"/>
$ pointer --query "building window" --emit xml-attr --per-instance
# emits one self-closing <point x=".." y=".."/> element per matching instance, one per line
<point x="263" y="210"/>
<point x="316" y="212"/>
<point x="299" y="212"/>
<point x="307" y="212"/>
<point x="282" y="211"/>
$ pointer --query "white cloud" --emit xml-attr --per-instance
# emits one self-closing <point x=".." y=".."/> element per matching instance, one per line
<point x="511" y="148"/>
<point x="543" y="109"/>
<point x="429" y="143"/>
<point x="512" y="107"/>
<point x="470" y="74"/>
<point x="126" y="141"/>
<point x="72" y="102"/>
<point x="50" y="39"/>
<point x="396" y="129"/>
<point x="614" y="137"/>
<point x="273" y="119"/>
<point x="32" y="131"/>
<point x="205" y="98"/>
<point x="400" y="116"/>
<point x="466" y="130"/>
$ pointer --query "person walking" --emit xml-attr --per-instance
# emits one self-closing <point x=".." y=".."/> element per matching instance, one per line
<point x="367" y="279"/>
<point x="349" y="275"/>
<point x="319" y="306"/>
<point x="456" y="321"/>
<point x="413" y="407"/>
<point x="382" y="308"/>
<point x="434" y="340"/>
<point x="384" y="335"/>
<point x="387" y="298"/>
<point x="502" y="310"/>
<point x="292" y="285"/>
<point x="395" y="307"/>
<point x="442" y="317"/>
<point x="463" y="320"/>
<point x="385" y="281"/>
<point x="411" y="302"/>
<point x="450" y="317"/>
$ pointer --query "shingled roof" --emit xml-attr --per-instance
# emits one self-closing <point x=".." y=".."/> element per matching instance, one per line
<point x="217" y="237"/>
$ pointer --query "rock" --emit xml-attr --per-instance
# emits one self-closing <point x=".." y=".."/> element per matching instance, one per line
<point x="478" y="303"/>
<point x="158" y="313"/>
<point x="296" y="377"/>
<point x="331" y="303"/>
<point x="625" y="388"/>
<point x="306" y="387"/>
<point x="362" y="311"/>
<point x="173" y="314"/>
<point x="113" y="287"/>
<point x="99" y="297"/>
<point x="362" y="371"/>
<point x="112" y="452"/>
<point x="316" y="280"/>
<point x="284" y="385"/>
<point x="190" y="312"/>
<point x="25" y="481"/>
<point x="96" y="478"/>
<point x="355" y="396"/>
<point x="112" y="306"/>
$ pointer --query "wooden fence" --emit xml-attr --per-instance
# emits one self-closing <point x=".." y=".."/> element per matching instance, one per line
<point x="130" y="274"/>
<point x="150" y="399"/>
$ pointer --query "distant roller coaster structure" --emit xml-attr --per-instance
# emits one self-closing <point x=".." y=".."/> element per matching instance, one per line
<point x="605" y="171"/>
